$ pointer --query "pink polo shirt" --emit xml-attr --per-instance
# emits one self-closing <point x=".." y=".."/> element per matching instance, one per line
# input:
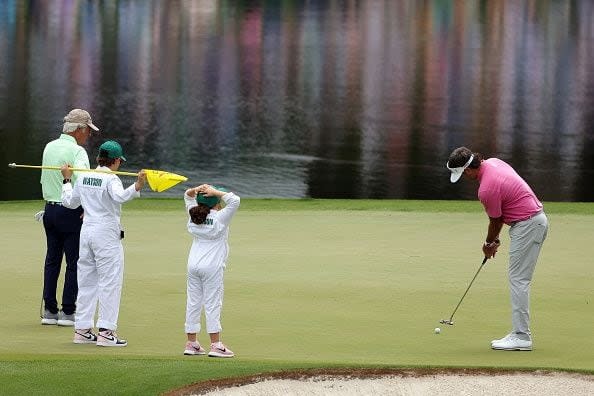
<point x="504" y="193"/>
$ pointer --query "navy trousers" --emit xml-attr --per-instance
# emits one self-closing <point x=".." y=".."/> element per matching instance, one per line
<point x="62" y="231"/>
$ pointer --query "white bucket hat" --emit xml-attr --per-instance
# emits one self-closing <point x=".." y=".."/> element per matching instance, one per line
<point x="458" y="171"/>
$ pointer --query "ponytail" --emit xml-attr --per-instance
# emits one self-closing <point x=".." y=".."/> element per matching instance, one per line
<point x="198" y="213"/>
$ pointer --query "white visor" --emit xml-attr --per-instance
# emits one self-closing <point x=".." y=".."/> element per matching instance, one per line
<point x="457" y="172"/>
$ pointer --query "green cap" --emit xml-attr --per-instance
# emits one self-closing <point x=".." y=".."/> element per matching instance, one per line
<point x="111" y="149"/>
<point x="209" y="201"/>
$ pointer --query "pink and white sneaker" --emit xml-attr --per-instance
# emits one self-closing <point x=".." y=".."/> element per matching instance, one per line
<point x="218" y="349"/>
<point x="84" y="336"/>
<point x="109" y="338"/>
<point x="194" y="348"/>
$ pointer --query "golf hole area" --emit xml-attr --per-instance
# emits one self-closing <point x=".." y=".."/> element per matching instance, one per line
<point x="405" y="382"/>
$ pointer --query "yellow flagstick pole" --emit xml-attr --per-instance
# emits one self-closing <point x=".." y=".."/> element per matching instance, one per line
<point x="158" y="180"/>
<point x="13" y="165"/>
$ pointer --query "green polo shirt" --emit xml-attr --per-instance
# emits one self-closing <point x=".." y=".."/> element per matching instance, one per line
<point x="63" y="150"/>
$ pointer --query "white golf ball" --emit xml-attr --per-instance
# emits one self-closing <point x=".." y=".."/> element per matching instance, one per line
<point x="437" y="330"/>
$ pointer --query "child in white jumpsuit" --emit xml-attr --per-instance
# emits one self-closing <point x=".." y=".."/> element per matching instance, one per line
<point x="209" y="224"/>
<point x="101" y="255"/>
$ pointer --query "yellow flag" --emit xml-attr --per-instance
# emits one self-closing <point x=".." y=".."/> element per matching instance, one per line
<point x="161" y="180"/>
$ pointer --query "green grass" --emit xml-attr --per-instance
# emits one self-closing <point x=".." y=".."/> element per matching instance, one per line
<point x="431" y="206"/>
<point x="318" y="282"/>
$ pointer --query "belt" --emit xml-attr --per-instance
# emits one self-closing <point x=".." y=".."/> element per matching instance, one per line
<point x="53" y="203"/>
<point x="527" y="218"/>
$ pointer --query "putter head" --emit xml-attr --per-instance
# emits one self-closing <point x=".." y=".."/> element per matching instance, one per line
<point x="447" y="321"/>
<point x="12" y="165"/>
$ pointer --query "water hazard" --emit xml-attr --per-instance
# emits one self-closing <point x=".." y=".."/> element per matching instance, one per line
<point x="324" y="99"/>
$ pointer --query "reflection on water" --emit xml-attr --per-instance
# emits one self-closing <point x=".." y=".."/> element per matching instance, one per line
<point x="307" y="99"/>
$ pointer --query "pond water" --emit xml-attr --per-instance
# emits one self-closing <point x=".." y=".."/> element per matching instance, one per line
<point x="323" y="99"/>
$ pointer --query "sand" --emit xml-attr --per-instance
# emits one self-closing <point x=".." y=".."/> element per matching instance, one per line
<point x="521" y="383"/>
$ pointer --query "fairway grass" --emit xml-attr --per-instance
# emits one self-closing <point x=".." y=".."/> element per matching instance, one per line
<point x="309" y="283"/>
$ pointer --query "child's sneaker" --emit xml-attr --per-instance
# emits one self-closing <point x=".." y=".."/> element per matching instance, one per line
<point x="109" y="338"/>
<point x="194" y="348"/>
<point x="83" y="336"/>
<point x="218" y="349"/>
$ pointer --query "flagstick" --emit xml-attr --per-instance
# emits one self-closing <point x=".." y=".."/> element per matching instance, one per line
<point x="13" y="165"/>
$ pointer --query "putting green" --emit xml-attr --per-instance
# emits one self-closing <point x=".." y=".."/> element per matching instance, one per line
<point x="331" y="286"/>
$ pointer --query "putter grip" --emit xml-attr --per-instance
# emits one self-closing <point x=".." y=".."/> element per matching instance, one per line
<point x="484" y="261"/>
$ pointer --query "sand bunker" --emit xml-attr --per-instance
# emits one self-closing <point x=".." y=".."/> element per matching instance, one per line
<point x="398" y="382"/>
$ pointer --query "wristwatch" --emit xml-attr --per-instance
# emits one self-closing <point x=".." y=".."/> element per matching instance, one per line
<point x="66" y="181"/>
<point x="489" y="244"/>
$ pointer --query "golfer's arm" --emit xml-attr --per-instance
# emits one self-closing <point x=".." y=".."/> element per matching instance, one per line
<point x="81" y="160"/>
<point x="495" y="225"/>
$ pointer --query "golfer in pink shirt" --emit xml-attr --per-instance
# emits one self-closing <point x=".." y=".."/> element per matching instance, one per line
<point x="507" y="199"/>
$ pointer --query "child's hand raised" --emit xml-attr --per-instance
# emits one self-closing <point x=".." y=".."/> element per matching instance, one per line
<point x="206" y="189"/>
<point x="191" y="192"/>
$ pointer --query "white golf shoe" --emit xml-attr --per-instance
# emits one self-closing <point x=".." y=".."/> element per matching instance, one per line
<point x="65" y="320"/>
<point x="49" y="318"/>
<point x="512" y="343"/>
<point x="507" y="337"/>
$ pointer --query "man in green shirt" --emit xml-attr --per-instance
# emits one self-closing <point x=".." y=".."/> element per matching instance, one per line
<point x="62" y="225"/>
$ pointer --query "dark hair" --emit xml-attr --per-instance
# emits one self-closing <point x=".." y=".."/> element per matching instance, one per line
<point x="104" y="161"/>
<point x="198" y="213"/>
<point x="461" y="155"/>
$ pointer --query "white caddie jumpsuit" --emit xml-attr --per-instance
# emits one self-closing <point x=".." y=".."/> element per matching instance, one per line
<point x="101" y="254"/>
<point x="206" y="264"/>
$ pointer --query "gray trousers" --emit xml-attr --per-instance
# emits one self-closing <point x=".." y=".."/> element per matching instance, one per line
<point x="526" y="239"/>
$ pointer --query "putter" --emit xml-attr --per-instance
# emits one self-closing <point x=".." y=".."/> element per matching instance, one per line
<point x="450" y="320"/>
